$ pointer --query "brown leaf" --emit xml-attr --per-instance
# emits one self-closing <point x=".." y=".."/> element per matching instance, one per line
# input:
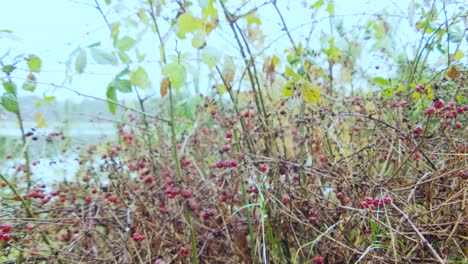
<point x="164" y="86"/>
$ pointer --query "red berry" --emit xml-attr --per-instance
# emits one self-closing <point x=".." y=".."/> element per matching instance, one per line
<point x="387" y="200"/>
<point x="418" y="130"/>
<point x="226" y="148"/>
<point x="187" y="194"/>
<point x="148" y="179"/>
<point x="263" y="169"/>
<point x="234" y="163"/>
<point x="438" y="103"/>
<point x="318" y="260"/>
<point x="286" y="199"/>
<point x="229" y="135"/>
<point x="183" y="251"/>
<point x="223" y="198"/>
<point x="340" y="195"/>
<point x="430" y="110"/>
<point x="369" y="200"/>
<point x="458" y="125"/>
<point x="346" y="200"/>
<point x="213" y="113"/>
<point x="3" y="184"/>
<point x="88" y="199"/>
<point x="6" y="228"/>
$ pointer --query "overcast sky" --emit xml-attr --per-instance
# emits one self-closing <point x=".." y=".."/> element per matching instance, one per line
<point x="52" y="29"/>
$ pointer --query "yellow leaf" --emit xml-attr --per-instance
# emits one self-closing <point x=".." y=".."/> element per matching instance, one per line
<point x="429" y="92"/>
<point x="40" y="121"/>
<point x="163" y="87"/>
<point x="370" y="108"/>
<point x="458" y="55"/>
<point x="311" y="92"/>
<point x="288" y="89"/>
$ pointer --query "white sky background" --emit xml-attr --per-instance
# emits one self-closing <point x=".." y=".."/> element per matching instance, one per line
<point x="52" y="29"/>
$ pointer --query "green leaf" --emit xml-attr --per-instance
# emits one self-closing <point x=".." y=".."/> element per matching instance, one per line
<point x="103" y="57"/>
<point x="458" y="55"/>
<point x="253" y="18"/>
<point x="10" y="87"/>
<point x="111" y="99"/>
<point x="186" y="24"/>
<point x="29" y="86"/>
<point x="125" y="43"/>
<point x="176" y="73"/>
<point x="34" y="63"/>
<point x="141" y="56"/>
<point x="123" y="86"/>
<point x="122" y="73"/>
<point x="124" y="57"/>
<point x="198" y="40"/>
<point x="311" y="92"/>
<point x="222" y="89"/>
<point x="96" y="44"/>
<point x="7" y="69"/>
<point x="388" y="92"/>
<point x="211" y="56"/>
<point x="331" y="8"/>
<point x="80" y="62"/>
<point x="10" y="103"/>
<point x="139" y="78"/>
<point x="318" y="4"/>
<point x="381" y="81"/>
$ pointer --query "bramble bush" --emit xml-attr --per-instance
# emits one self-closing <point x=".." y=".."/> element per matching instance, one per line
<point x="305" y="156"/>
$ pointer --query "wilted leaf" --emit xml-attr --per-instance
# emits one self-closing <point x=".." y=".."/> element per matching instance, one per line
<point x="30" y="83"/>
<point x="123" y="86"/>
<point x="103" y="57"/>
<point x="139" y="78"/>
<point x="125" y="43"/>
<point x="453" y="72"/>
<point x="34" y="63"/>
<point x="211" y="56"/>
<point x="10" y="87"/>
<point x="111" y="99"/>
<point x="229" y="69"/>
<point x="311" y="92"/>
<point x="80" y="62"/>
<point x="10" y="103"/>
<point x="164" y="86"/>
<point x="176" y="73"/>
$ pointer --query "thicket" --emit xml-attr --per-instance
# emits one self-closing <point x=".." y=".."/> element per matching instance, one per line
<point x="301" y="157"/>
